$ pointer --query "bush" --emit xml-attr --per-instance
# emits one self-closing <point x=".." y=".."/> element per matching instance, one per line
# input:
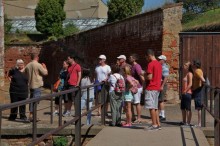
<point x="7" y="25"/>
<point x="70" y="29"/>
<point x="60" y="141"/>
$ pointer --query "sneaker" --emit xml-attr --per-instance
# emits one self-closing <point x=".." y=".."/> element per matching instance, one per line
<point x="55" y="113"/>
<point x="67" y="114"/>
<point x="162" y="118"/>
<point x="127" y="125"/>
<point x="159" y="128"/>
<point x="152" y="128"/>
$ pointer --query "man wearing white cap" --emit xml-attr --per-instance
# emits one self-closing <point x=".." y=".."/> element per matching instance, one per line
<point x="122" y="64"/>
<point x="102" y="73"/>
<point x="165" y="74"/>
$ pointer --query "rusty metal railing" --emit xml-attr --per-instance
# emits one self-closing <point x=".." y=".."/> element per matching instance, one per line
<point x="211" y="104"/>
<point x="76" y="119"/>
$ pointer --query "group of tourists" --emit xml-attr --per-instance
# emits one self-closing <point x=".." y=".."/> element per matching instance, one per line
<point x="126" y="85"/>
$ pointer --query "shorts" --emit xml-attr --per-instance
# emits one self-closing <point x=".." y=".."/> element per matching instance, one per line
<point x="70" y="96"/>
<point x="151" y="99"/>
<point x="162" y="94"/>
<point x="197" y="96"/>
<point x="128" y="96"/>
<point x="186" y="102"/>
<point x="99" y="95"/>
<point x="137" y="96"/>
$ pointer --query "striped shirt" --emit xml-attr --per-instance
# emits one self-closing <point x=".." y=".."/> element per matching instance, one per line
<point x="165" y="71"/>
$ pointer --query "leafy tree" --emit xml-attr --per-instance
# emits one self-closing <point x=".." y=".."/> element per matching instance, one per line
<point x="197" y="6"/>
<point x="121" y="9"/>
<point x="49" y="16"/>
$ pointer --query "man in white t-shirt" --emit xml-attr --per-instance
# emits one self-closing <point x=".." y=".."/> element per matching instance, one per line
<point x="102" y="73"/>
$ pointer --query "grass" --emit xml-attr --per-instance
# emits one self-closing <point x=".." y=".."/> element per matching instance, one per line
<point x="204" y="20"/>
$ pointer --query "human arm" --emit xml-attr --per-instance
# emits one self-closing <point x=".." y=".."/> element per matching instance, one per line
<point x="43" y="69"/>
<point x="189" y="85"/>
<point x="79" y="77"/>
<point x="163" y="83"/>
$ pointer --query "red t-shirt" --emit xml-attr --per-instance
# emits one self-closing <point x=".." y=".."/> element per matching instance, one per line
<point x="73" y="71"/>
<point x="154" y="68"/>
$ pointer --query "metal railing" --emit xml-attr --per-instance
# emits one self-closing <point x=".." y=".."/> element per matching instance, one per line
<point x="211" y="104"/>
<point x="76" y="119"/>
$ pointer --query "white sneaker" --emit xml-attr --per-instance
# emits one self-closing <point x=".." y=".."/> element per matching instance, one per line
<point x="55" y="113"/>
<point x="67" y="114"/>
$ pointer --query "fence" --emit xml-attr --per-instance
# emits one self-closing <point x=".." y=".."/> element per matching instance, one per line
<point x="78" y="115"/>
<point x="211" y="103"/>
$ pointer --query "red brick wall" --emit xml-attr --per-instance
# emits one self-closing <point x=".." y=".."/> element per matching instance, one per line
<point x="18" y="51"/>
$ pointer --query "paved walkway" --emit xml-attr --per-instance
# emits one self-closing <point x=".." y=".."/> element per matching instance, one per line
<point x="137" y="136"/>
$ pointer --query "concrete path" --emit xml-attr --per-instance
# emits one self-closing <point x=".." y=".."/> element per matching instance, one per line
<point x="138" y="136"/>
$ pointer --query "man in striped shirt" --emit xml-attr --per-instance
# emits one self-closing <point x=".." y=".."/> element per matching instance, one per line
<point x="165" y="74"/>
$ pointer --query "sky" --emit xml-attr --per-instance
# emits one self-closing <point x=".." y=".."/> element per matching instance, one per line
<point x="151" y="4"/>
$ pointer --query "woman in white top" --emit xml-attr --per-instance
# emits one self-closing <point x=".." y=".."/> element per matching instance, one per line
<point x="86" y="81"/>
<point x="116" y="95"/>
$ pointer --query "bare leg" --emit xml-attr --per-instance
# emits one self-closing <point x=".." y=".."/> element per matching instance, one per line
<point x="128" y="112"/>
<point x="184" y="116"/>
<point x="138" y="108"/>
<point x="153" y="117"/>
<point x="157" y="117"/>
<point x="199" y="117"/>
<point x="189" y="116"/>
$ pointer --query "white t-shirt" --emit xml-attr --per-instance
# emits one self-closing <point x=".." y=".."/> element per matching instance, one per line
<point x="102" y="72"/>
<point x="112" y="80"/>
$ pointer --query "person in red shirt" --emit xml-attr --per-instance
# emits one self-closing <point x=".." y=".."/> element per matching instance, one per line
<point x="153" y="85"/>
<point x="73" y="80"/>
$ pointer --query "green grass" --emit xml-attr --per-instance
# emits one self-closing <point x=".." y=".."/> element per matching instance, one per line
<point x="204" y="20"/>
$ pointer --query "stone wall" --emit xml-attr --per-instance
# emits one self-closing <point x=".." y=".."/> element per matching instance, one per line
<point x="171" y="28"/>
<point x="19" y="51"/>
<point x="157" y="29"/>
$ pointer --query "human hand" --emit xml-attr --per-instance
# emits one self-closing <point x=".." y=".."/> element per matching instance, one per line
<point x="44" y="66"/>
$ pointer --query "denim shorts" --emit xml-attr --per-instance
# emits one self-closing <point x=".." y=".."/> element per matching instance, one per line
<point x="186" y="102"/>
<point x="197" y="96"/>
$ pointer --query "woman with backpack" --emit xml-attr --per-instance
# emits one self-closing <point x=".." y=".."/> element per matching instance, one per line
<point x="117" y="86"/>
<point x="131" y="89"/>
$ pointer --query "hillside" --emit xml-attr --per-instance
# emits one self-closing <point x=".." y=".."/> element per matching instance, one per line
<point x="208" y="21"/>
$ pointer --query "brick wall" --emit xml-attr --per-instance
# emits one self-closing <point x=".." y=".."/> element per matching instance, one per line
<point x="157" y="29"/>
<point x="19" y="51"/>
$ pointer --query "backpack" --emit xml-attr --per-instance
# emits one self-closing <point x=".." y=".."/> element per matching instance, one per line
<point x="119" y="85"/>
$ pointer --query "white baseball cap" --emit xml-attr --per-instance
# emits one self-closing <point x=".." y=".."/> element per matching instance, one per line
<point x="122" y="57"/>
<point x="102" y="57"/>
<point x="162" y="57"/>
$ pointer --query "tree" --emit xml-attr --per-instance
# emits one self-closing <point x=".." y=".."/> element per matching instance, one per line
<point x="196" y="6"/>
<point x="49" y="16"/>
<point x="70" y="29"/>
<point x="121" y="9"/>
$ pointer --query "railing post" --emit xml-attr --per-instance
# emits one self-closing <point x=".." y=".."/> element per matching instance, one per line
<point x="60" y="109"/>
<point x="103" y="101"/>
<point x="204" y="99"/>
<point x="217" y="114"/>
<point x="0" y="127"/>
<point x="87" y="102"/>
<point x="51" y="106"/>
<point x="34" y="124"/>
<point x="77" y="102"/>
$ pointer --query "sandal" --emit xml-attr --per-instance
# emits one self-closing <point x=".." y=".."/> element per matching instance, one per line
<point x="137" y="122"/>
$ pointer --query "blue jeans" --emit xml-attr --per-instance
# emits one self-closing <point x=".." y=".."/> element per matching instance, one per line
<point x="83" y="104"/>
<point x="35" y="93"/>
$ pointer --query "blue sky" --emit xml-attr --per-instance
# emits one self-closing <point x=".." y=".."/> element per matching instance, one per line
<point x="152" y="4"/>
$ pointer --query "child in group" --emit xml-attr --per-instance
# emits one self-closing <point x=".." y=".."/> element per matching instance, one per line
<point x="116" y="95"/>
<point x="131" y="89"/>
<point x="60" y="87"/>
<point x="86" y="81"/>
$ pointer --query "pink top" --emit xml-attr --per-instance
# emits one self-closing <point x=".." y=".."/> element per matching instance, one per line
<point x="185" y="84"/>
